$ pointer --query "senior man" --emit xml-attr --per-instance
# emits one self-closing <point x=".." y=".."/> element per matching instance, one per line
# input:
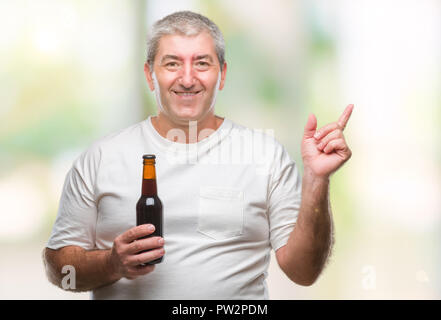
<point x="221" y="217"/>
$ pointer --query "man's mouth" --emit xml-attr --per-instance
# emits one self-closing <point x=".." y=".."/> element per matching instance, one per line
<point x="186" y="94"/>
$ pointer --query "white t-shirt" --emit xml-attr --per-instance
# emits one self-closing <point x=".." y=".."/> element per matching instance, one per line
<point x="227" y="200"/>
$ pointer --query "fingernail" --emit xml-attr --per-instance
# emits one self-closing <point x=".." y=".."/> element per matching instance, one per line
<point x="316" y="135"/>
<point x="151" y="227"/>
<point x="161" y="241"/>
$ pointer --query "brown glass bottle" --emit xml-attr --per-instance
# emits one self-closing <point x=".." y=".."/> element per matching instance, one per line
<point x="149" y="206"/>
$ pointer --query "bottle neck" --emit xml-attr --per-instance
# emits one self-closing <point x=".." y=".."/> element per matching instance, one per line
<point x="149" y="187"/>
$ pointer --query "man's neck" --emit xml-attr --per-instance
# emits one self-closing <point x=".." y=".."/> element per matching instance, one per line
<point x="194" y="131"/>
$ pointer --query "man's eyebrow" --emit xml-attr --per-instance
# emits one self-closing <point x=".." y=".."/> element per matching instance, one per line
<point x="169" y="56"/>
<point x="204" y="56"/>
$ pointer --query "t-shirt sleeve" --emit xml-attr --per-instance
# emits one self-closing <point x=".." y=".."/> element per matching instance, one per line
<point x="284" y="198"/>
<point x="77" y="212"/>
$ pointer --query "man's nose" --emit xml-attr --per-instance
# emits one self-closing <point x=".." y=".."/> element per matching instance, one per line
<point x="187" y="77"/>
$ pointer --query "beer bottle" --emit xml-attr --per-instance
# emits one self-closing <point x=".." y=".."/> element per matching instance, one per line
<point x="149" y="206"/>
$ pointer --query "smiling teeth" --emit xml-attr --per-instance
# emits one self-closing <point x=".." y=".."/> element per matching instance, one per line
<point x="186" y="93"/>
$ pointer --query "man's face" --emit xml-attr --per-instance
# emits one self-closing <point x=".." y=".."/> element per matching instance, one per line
<point x="187" y="71"/>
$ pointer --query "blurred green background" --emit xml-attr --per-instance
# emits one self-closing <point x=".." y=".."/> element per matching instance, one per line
<point x="72" y="71"/>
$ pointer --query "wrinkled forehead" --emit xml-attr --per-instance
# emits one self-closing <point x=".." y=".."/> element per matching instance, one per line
<point x="186" y="46"/>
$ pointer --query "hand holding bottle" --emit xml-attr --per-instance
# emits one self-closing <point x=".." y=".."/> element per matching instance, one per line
<point x="128" y="257"/>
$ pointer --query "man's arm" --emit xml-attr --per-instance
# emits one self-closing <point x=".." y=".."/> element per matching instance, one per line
<point x="93" y="269"/>
<point x="304" y="256"/>
<point x="97" y="268"/>
<point x="309" y="245"/>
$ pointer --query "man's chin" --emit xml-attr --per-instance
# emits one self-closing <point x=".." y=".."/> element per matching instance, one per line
<point x="189" y="115"/>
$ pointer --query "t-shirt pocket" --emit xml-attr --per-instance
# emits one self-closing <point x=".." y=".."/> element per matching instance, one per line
<point x="220" y="212"/>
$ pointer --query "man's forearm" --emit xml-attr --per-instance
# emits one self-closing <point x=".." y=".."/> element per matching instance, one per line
<point x="92" y="268"/>
<point x="310" y="242"/>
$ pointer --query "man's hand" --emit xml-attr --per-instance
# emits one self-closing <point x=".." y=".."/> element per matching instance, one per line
<point x="125" y="259"/>
<point x="324" y="151"/>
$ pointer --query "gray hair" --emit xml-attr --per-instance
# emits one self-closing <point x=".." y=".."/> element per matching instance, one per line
<point x="185" y="23"/>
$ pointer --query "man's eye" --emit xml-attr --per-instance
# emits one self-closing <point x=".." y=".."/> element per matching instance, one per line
<point x="202" y="65"/>
<point x="172" y="64"/>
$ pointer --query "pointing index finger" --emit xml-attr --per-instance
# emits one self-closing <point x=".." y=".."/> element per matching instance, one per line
<point x="343" y="120"/>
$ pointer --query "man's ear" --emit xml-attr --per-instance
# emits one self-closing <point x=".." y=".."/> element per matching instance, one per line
<point x="148" y="76"/>
<point x="223" y="75"/>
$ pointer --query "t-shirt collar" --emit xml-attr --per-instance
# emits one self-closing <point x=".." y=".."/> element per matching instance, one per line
<point x="165" y="144"/>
